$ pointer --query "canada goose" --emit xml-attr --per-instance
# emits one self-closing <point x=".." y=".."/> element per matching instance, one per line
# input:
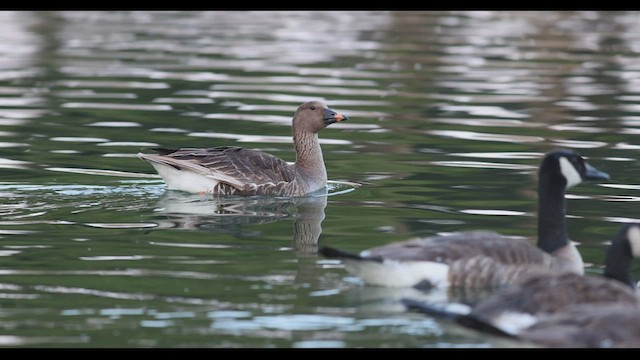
<point x="544" y="300"/>
<point x="590" y="326"/>
<point x="478" y="259"/>
<point x="230" y="170"/>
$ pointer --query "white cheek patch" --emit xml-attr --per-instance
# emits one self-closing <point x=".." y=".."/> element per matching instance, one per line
<point x="569" y="172"/>
<point x="633" y="234"/>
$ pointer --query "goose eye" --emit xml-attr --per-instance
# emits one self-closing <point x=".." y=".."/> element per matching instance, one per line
<point x="312" y="107"/>
<point x="575" y="161"/>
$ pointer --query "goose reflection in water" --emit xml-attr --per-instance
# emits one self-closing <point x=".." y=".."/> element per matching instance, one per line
<point x="232" y="214"/>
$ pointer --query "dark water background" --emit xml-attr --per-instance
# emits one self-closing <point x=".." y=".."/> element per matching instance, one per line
<point x="450" y="113"/>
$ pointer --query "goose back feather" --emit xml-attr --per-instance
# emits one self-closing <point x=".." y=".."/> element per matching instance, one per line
<point x="234" y="170"/>
<point x="549" y="293"/>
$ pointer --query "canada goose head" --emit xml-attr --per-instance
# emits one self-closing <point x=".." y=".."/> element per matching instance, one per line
<point x="313" y="116"/>
<point x="624" y="247"/>
<point x="560" y="170"/>
<point x="569" y="168"/>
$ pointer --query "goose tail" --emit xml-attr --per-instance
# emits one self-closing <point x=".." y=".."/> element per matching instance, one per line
<point x="333" y="253"/>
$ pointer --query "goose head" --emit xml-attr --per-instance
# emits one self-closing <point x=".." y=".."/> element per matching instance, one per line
<point x="560" y="170"/>
<point x="313" y="116"/>
<point x="567" y="167"/>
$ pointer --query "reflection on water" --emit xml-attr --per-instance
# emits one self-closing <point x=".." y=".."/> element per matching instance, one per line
<point x="450" y="114"/>
<point x="232" y="214"/>
<point x="229" y="214"/>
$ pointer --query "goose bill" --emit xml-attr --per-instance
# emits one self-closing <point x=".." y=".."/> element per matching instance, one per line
<point x="592" y="173"/>
<point x="331" y="117"/>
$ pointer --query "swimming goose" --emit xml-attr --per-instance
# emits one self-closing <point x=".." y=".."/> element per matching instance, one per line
<point x="230" y="170"/>
<point x="588" y="326"/>
<point x="479" y="259"/>
<point x="535" y="303"/>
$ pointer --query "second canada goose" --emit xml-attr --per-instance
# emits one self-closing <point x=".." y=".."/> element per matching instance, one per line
<point x="532" y="304"/>
<point x="588" y="326"/>
<point x="228" y="170"/>
<point x="478" y="259"/>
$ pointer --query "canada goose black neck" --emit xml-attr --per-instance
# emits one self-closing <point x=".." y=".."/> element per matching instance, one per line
<point x="552" y="227"/>
<point x="560" y="170"/>
<point x="620" y="255"/>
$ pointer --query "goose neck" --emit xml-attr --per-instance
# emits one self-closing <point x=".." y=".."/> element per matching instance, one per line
<point x="552" y="228"/>
<point x="308" y="152"/>
<point x="618" y="262"/>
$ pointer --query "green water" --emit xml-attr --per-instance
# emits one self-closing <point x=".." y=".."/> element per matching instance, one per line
<point x="449" y="112"/>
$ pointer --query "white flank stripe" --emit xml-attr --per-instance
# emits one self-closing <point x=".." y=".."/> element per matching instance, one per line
<point x="458" y="308"/>
<point x="392" y="273"/>
<point x="184" y="180"/>
<point x="514" y="322"/>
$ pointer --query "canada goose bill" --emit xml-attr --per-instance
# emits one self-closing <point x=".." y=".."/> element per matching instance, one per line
<point x="230" y="170"/>
<point x="480" y="259"/>
<point x="544" y="301"/>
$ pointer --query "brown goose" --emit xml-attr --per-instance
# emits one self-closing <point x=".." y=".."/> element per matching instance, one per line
<point x="230" y="170"/>
<point x="557" y="300"/>
<point x="479" y="259"/>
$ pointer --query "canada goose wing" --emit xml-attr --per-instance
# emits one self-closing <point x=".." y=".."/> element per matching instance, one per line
<point x="549" y="294"/>
<point x="588" y="325"/>
<point x="452" y="247"/>
<point x="233" y="165"/>
<point x="486" y="272"/>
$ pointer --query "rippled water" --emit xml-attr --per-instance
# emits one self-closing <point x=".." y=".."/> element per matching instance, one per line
<point x="450" y="113"/>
